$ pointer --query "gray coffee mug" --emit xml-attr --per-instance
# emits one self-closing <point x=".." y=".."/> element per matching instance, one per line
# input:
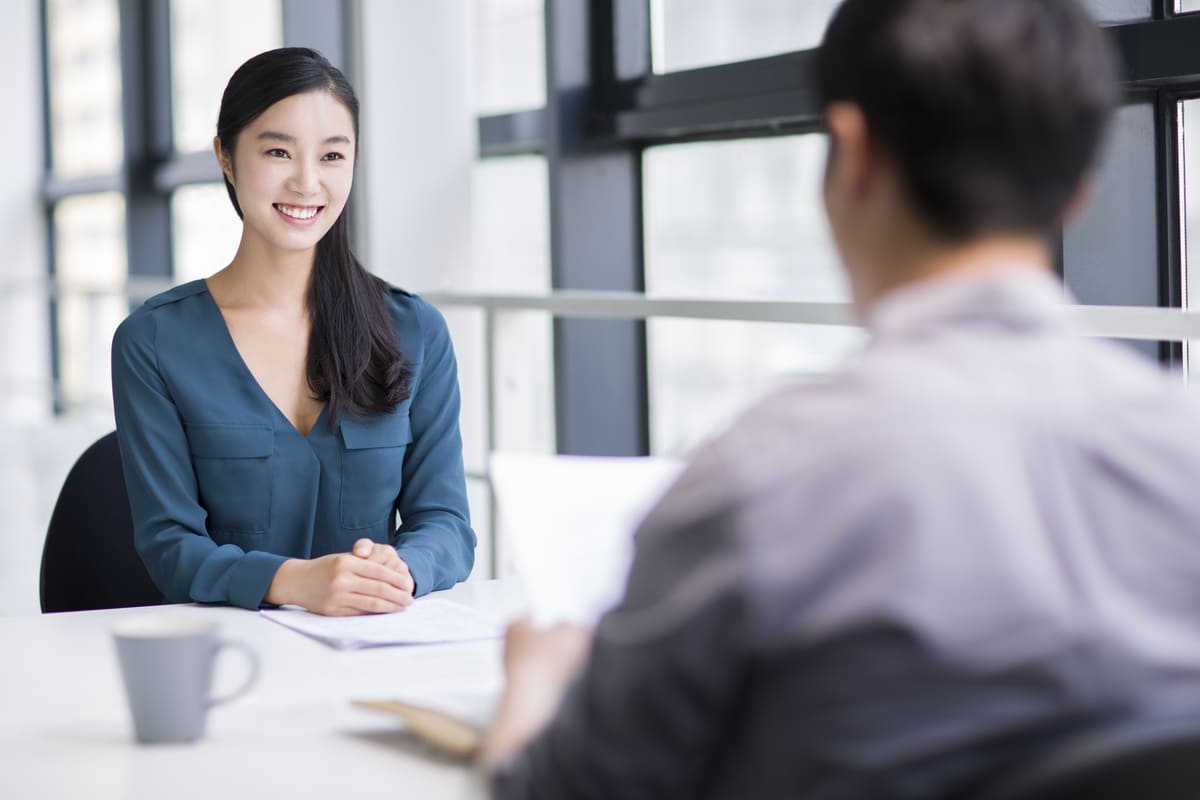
<point x="167" y="666"/>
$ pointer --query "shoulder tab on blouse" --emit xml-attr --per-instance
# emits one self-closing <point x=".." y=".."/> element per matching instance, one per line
<point x="176" y="294"/>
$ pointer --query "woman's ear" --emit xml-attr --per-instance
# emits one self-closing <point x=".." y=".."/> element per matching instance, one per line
<point x="223" y="160"/>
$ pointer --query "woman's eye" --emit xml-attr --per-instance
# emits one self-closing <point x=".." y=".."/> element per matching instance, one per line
<point x="334" y="157"/>
<point x="275" y="152"/>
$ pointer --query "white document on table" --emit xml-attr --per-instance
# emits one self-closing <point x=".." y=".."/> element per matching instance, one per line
<point x="429" y="620"/>
<point x="569" y="521"/>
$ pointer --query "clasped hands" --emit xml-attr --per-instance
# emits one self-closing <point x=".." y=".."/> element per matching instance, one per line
<point x="370" y="579"/>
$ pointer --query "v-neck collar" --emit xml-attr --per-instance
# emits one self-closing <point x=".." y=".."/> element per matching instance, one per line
<point x="237" y="354"/>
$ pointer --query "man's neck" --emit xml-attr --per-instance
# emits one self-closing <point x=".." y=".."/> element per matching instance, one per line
<point x="933" y="260"/>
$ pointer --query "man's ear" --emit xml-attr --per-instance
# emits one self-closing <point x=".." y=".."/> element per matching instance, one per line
<point x="850" y="155"/>
<point x="223" y="160"/>
<point x="1079" y="200"/>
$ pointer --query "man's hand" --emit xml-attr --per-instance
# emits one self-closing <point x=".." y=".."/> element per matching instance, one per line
<point x="554" y="655"/>
<point x="539" y="664"/>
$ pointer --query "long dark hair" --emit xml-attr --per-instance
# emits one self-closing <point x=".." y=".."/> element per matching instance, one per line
<point x="354" y="361"/>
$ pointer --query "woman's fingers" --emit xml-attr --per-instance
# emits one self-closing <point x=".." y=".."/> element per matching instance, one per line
<point x="397" y="576"/>
<point x="373" y="604"/>
<point x="353" y="583"/>
<point x="385" y="555"/>
<point x="370" y="579"/>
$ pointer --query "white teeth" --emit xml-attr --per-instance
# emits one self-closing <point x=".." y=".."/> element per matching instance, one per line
<point x="297" y="213"/>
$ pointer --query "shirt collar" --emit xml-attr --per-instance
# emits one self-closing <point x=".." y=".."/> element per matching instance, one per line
<point x="1023" y="297"/>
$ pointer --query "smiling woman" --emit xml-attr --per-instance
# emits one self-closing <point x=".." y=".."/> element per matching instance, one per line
<point x="276" y="417"/>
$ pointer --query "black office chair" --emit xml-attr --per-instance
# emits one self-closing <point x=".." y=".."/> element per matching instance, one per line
<point x="88" y="560"/>
<point x="1136" y="760"/>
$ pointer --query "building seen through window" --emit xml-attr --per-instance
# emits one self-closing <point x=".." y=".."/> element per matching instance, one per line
<point x="735" y="220"/>
<point x="700" y="33"/>
<point x="206" y="230"/>
<point x="84" y="61"/>
<point x="206" y="47"/>
<point x="510" y="67"/>
<point x="89" y="233"/>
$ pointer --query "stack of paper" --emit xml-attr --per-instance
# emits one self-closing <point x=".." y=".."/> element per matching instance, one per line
<point x="429" y="620"/>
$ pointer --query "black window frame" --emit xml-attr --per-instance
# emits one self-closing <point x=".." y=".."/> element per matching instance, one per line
<point x="152" y="169"/>
<point x="605" y="105"/>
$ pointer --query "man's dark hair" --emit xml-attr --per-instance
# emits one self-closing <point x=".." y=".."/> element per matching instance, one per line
<point x="992" y="109"/>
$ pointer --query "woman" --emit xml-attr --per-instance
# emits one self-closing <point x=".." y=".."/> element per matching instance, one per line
<point x="274" y="418"/>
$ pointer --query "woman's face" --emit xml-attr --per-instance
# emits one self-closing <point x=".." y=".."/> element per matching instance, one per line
<point x="292" y="169"/>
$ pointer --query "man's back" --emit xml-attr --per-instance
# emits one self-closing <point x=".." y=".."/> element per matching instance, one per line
<point x="978" y="538"/>
<point x="987" y="528"/>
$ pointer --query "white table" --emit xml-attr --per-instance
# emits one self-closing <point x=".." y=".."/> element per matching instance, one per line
<point x="65" y="730"/>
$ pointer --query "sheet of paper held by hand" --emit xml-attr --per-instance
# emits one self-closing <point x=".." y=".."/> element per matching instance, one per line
<point x="568" y="523"/>
<point x="429" y="620"/>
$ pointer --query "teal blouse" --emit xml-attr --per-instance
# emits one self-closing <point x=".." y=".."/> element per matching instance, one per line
<point x="224" y="489"/>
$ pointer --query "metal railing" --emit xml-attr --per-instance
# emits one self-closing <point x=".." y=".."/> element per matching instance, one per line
<point x="1118" y="322"/>
<point x="1123" y="322"/>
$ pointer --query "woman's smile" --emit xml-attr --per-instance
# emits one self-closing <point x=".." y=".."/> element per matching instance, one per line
<point x="298" y="215"/>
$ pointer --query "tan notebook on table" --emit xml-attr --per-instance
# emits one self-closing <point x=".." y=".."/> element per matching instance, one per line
<point x="440" y="729"/>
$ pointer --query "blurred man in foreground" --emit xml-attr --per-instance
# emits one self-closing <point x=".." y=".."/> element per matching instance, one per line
<point x="981" y="537"/>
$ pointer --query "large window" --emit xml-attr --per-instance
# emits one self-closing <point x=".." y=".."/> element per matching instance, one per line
<point x="640" y="164"/>
<point x="1108" y="11"/>
<point x="207" y="230"/>
<point x="83" y="57"/>
<point x="209" y="40"/>
<point x="511" y="254"/>
<point x="133" y="203"/>
<point x="1189" y="120"/>
<point x="506" y="358"/>
<point x="206" y="47"/>
<point x="1110" y="254"/>
<point x="88" y="228"/>
<point x="699" y="33"/>
<point x="510" y="69"/>
<point x="90" y="253"/>
<point x="700" y="126"/>
<point x="735" y="220"/>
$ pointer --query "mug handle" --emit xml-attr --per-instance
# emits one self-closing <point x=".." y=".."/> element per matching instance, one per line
<point x="252" y="659"/>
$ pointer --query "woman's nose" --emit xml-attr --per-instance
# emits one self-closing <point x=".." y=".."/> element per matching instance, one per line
<point x="303" y="179"/>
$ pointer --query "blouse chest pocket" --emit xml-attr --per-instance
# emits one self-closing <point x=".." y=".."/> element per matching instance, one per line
<point x="372" y="462"/>
<point x="233" y="474"/>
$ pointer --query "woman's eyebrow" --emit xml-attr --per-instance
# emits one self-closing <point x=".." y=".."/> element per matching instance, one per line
<point x="278" y="137"/>
<point x="287" y="137"/>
